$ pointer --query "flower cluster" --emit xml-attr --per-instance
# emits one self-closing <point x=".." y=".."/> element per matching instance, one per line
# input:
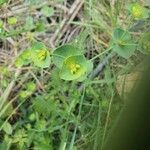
<point x="72" y="63"/>
<point x="137" y="11"/>
<point x="38" y="54"/>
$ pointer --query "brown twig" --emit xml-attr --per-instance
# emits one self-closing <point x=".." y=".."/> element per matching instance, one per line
<point x="66" y="22"/>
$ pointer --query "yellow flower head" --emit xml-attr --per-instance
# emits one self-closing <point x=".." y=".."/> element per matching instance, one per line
<point x="74" y="68"/>
<point x="42" y="54"/>
<point x="137" y="11"/>
<point x="121" y="42"/>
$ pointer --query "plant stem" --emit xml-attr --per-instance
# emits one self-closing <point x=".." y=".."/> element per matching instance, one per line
<point x="107" y="121"/>
<point x="107" y="50"/>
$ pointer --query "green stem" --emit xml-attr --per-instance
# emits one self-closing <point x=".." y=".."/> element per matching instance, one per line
<point x="79" y="113"/>
<point x="107" y="50"/>
<point x="57" y="55"/>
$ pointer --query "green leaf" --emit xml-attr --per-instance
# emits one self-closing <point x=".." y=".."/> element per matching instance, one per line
<point x="24" y="94"/>
<point x="28" y="89"/>
<point x="89" y="69"/>
<point x="63" y="52"/>
<point x="40" y="55"/>
<point x="20" y="138"/>
<point x="44" y="106"/>
<point x="7" y="128"/>
<point x="122" y="43"/>
<point x="47" y="11"/>
<point x="29" y="24"/>
<point x="8" y="110"/>
<point x="74" y="68"/>
<point x="30" y="86"/>
<point x="40" y="26"/>
<point x="3" y="1"/>
<point x="37" y="45"/>
<point x="19" y="62"/>
<point x="89" y="66"/>
<point x="24" y="58"/>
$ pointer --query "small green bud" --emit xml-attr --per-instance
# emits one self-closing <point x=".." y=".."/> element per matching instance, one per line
<point x="19" y="62"/>
<point x="137" y="11"/>
<point x="12" y="20"/>
<point x="32" y="117"/>
<point x="24" y="94"/>
<point x="28" y="126"/>
<point x="31" y="86"/>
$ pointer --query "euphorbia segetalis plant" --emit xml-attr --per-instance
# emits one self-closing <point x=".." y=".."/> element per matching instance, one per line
<point x="70" y="60"/>
<point x="38" y="54"/>
<point x="72" y="63"/>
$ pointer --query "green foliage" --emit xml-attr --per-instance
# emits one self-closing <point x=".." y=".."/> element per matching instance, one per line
<point x="63" y="52"/>
<point x="30" y="86"/>
<point x="20" y="138"/>
<point x="7" y="128"/>
<point x="69" y="59"/>
<point x="44" y="106"/>
<point x="122" y="43"/>
<point x="28" y="89"/>
<point x="29" y="23"/>
<point x="40" y="26"/>
<point x="24" y="58"/>
<point x="38" y="54"/>
<point x="3" y="1"/>
<point x="47" y="11"/>
<point x="8" y="110"/>
<point x="43" y="142"/>
<point x="42" y="111"/>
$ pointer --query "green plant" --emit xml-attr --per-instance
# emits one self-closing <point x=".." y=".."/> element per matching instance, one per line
<point x="122" y="43"/>
<point x="57" y="85"/>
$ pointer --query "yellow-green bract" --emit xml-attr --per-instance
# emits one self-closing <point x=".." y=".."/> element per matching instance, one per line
<point x="38" y="54"/>
<point x="122" y="43"/>
<point x="72" y="63"/>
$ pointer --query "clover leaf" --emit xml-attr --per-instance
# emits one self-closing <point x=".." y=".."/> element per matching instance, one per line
<point x="63" y="52"/>
<point x="75" y="68"/>
<point x="122" y="43"/>
<point x="40" y="55"/>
